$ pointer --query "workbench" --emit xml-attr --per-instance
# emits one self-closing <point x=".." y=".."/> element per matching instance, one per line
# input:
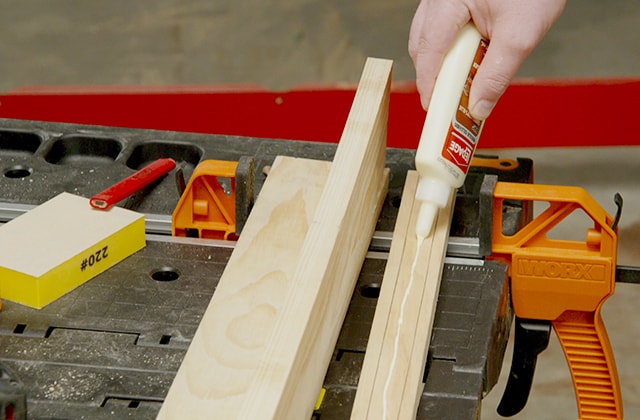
<point x="112" y="346"/>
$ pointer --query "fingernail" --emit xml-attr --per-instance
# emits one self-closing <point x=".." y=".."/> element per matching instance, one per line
<point x="481" y="109"/>
<point x="424" y="101"/>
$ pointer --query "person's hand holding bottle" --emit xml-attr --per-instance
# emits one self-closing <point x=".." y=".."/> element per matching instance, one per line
<point x="513" y="27"/>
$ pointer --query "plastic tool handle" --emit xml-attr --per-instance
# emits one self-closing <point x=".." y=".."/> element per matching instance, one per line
<point x="531" y="338"/>
<point x="132" y="184"/>
<point x="595" y="379"/>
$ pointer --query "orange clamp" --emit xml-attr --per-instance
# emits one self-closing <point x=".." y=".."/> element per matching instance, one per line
<point x="565" y="282"/>
<point x="207" y="207"/>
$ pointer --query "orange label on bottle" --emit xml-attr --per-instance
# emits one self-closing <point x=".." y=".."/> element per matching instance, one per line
<point x="464" y="129"/>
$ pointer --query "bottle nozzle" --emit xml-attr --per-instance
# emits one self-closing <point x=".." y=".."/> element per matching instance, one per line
<point x="426" y="219"/>
<point x="432" y="194"/>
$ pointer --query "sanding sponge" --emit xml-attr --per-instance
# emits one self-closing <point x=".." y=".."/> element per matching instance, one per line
<point x="61" y="244"/>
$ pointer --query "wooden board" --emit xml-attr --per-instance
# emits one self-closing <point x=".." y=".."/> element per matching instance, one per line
<point x="391" y="378"/>
<point x="266" y="339"/>
<point x="61" y="244"/>
<point x="230" y="341"/>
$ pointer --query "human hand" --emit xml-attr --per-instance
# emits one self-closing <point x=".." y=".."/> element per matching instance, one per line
<point x="513" y="27"/>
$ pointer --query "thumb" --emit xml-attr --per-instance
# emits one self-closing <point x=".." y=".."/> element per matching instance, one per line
<point x="499" y="66"/>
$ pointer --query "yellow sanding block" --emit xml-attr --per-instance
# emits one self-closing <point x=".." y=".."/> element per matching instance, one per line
<point x="61" y="244"/>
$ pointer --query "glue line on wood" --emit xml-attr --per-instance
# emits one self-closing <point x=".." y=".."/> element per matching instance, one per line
<point x="400" y="321"/>
<point x="390" y="383"/>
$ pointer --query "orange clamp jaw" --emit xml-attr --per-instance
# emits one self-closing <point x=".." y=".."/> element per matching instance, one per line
<point x="207" y="207"/>
<point x="566" y="283"/>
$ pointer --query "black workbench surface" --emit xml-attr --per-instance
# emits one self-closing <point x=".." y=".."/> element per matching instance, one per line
<point x="111" y="347"/>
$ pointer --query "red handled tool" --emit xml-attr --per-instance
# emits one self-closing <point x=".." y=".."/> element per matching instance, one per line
<point x="132" y="184"/>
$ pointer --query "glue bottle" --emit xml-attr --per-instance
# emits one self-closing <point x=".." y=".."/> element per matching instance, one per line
<point x="450" y="134"/>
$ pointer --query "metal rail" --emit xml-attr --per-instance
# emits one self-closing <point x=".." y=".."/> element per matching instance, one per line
<point x="160" y="224"/>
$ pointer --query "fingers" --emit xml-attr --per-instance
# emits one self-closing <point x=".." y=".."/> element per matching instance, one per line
<point x="514" y="28"/>
<point x="433" y="30"/>
<point x="498" y="68"/>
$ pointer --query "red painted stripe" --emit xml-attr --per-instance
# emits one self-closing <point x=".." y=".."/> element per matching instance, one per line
<point x="532" y="113"/>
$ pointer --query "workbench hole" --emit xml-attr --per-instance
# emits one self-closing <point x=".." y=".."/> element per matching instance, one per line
<point x="49" y="331"/>
<point x="341" y="352"/>
<point x="18" y="171"/>
<point x="370" y="290"/>
<point x="129" y="402"/>
<point x="84" y="151"/>
<point x="165" y="274"/>
<point x="18" y="143"/>
<point x="19" y="329"/>
<point x="143" y="154"/>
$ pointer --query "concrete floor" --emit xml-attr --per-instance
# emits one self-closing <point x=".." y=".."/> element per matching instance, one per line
<point x="279" y="44"/>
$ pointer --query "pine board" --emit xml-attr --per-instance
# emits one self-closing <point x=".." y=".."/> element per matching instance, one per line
<point x="391" y="378"/>
<point x="265" y="341"/>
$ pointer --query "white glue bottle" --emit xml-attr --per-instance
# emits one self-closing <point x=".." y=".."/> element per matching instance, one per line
<point x="450" y="134"/>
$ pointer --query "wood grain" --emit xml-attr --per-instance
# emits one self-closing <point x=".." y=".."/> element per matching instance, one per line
<point x="230" y="341"/>
<point x="265" y="341"/>
<point x="369" y="372"/>
<point x="291" y="373"/>
<point x="391" y="378"/>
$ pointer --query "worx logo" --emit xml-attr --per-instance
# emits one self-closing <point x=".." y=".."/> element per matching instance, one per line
<point x="565" y="270"/>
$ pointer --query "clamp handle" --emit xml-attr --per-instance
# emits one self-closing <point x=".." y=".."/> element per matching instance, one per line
<point x="586" y="346"/>
<point x="566" y="283"/>
<point x="531" y="338"/>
